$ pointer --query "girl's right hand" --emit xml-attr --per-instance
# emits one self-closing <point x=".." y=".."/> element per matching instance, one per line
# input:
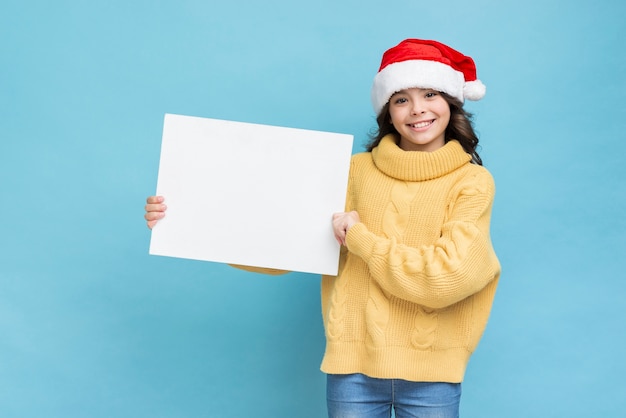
<point x="342" y="222"/>
<point x="155" y="210"/>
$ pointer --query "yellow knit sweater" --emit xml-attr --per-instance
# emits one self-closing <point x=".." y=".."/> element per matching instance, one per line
<point x="418" y="277"/>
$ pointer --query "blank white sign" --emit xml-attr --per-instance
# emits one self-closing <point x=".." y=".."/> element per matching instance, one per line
<point x="250" y="194"/>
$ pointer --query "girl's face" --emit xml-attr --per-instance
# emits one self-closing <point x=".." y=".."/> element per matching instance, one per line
<point x="421" y="117"/>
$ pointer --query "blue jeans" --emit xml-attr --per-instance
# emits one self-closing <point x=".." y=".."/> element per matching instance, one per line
<point x="360" y="396"/>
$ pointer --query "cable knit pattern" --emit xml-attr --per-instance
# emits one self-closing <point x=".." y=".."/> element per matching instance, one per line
<point x="419" y="274"/>
<point x="377" y="316"/>
<point x="396" y="215"/>
<point x="336" y="317"/>
<point x="423" y="335"/>
<point x="395" y="221"/>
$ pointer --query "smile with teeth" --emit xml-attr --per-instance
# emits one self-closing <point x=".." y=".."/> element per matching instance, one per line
<point x="423" y="124"/>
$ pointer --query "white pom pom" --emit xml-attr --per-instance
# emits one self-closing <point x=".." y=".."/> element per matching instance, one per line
<point x="474" y="90"/>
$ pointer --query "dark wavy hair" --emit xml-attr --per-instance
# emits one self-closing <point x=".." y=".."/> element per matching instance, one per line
<point x="460" y="128"/>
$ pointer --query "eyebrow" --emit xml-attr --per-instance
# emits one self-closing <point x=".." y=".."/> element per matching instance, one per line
<point x="405" y="91"/>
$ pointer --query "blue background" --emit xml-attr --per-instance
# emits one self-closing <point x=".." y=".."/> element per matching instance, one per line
<point x="92" y="326"/>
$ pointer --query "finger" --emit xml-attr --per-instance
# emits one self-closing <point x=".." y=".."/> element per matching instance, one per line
<point x="155" y="207"/>
<point x="155" y="199"/>
<point x="340" y="236"/>
<point x="154" y="216"/>
<point x="151" y="224"/>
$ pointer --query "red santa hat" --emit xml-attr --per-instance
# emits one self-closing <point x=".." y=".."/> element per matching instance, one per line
<point x="429" y="65"/>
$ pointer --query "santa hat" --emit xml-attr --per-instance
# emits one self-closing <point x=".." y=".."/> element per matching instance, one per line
<point x="428" y="65"/>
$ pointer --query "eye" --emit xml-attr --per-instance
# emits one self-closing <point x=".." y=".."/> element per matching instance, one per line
<point x="430" y="94"/>
<point x="399" y="100"/>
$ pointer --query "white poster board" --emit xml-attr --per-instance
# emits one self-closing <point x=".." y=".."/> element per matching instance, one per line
<point x="250" y="194"/>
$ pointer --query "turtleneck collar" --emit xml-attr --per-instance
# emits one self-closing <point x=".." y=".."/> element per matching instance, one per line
<point x="418" y="165"/>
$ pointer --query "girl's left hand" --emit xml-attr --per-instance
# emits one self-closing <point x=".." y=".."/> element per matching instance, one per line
<point x="342" y="222"/>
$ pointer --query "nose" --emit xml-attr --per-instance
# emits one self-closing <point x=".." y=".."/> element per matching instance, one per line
<point x="418" y="107"/>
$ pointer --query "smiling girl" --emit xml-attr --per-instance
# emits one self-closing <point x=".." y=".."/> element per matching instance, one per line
<point x="417" y="272"/>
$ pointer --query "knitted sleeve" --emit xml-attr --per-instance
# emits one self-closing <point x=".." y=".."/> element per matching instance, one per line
<point x="458" y="264"/>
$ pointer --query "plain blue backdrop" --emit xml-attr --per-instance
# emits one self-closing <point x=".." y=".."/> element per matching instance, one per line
<point x="92" y="326"/>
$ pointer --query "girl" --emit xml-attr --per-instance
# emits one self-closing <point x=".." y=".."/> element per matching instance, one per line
<point x="417" y="272"/>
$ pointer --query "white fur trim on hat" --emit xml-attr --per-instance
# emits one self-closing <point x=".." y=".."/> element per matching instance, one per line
<point x="421" y="74"/>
